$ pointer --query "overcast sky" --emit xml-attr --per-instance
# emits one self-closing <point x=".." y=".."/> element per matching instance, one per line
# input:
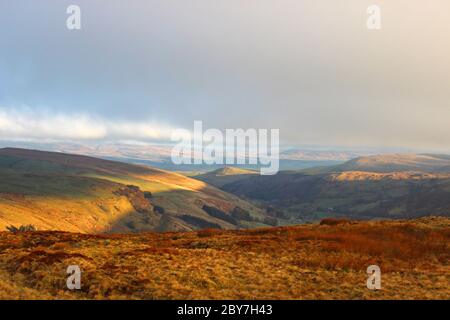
<point x="137" y="69"/>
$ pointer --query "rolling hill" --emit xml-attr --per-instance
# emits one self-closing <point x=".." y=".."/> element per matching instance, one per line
<point x="225" y="175"/>
<point x="397" y="162"/>
<point x="386" y="186"/>
<point x="57" y="191"/>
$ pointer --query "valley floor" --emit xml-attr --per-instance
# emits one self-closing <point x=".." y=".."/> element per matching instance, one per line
<point x="299" y="262"/>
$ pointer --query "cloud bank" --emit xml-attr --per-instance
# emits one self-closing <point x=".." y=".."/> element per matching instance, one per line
<point x="310" y="68"/>
<point x="35" y="125"/>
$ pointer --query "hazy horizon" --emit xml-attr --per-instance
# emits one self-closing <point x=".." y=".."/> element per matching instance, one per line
<point x="136" y="71"/>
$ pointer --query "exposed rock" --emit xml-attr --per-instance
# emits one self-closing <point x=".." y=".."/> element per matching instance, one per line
<point x="136" y="197"/>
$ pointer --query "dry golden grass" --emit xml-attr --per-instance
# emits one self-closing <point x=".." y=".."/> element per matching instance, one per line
<point x="300" y="262"/>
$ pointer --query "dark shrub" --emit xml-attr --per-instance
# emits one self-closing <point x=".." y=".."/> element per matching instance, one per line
<point x="241" y="214"/>
<point x="134" y="188"/>
<point x="131" y="225"/>
<point x="25" y="228"/>
<point x="158" y="209"/>
<point x="199" y="222"/>
<point x="271" y="211"/>
<point x="271" y="221"/>
<point x="147" y="195"/>
<point x="219" y="214"/>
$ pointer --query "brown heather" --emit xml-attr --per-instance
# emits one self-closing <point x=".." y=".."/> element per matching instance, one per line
<point x="299" y="262"/>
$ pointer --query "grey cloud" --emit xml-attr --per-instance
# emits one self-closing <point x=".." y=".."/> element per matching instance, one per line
<point x="310" y="68"/>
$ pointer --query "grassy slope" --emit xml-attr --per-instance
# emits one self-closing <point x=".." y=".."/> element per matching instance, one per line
<point x="357" y="194"/>
<point x="223" y="176"/>
<point x="389" y="186"/>
<point x="76" y="193"/>
<point x="299" y="262"/>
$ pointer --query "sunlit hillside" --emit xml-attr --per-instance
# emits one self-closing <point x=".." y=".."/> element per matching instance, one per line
<point x="398" y="162"/>
<point x="56" y="191"/>
<point x="223" y="176"/>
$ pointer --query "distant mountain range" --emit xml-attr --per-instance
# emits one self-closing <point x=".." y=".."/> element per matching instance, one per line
<point x="158" y="155"/>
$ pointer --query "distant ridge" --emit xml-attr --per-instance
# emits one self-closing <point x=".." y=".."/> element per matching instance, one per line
<point x="229" y="171"/>
<point x="397" y="162"/>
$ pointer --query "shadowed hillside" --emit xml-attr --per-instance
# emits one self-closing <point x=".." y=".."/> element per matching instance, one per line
<point x="59" y="191"/>
<point x="387" y="186"/>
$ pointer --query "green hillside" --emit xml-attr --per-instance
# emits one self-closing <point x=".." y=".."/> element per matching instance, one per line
<point x="76" y="193"/>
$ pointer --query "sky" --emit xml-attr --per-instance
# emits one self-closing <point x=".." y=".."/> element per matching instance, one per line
<point x="139" y="69"/>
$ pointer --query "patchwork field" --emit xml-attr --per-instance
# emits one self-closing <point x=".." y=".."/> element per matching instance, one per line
<point x="299" y="262"/>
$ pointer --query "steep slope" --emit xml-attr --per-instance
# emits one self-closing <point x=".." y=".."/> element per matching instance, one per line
<point x="84" y="194"/>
